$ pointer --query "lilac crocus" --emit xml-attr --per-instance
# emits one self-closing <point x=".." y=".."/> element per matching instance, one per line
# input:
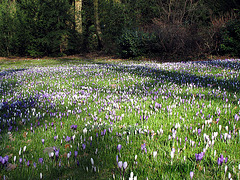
<point x="34" y="165"/>
<point x="75" y="154"/>
<point x="120" y="165"/>
<point x="40" y="160"/>
<point x="124" y="165"/>
<point x="83" y="146"/>
<point x="191" y="174"/>
<point x="43" y="141"/>
<point x="74" y="127"/>
<point x="119" y="147"/>
<point x="199" y="131"/>
<point x="226" y="159"/>
<point x="220" y="160"/>
<point x="57" y="154"/>
<point x="199" y="156"/>
<point x="67" y="139"/>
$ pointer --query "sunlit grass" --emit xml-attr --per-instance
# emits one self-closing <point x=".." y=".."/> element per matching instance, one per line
<point x="162" y="115"/>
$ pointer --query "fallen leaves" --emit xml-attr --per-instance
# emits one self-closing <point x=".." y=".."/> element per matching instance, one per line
<point x="25" y="134"/>
<point x="11" y="167"/>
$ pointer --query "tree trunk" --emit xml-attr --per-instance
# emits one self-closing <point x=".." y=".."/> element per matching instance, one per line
<point x="78" y="16"/>
<point x="97" y="24"/>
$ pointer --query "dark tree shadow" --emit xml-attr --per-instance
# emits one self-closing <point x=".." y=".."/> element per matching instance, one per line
<point x="206" y="81"/>
<point x="20" y="107"/>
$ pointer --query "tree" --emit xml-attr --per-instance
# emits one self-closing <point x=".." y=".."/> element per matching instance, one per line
<point x="46" y="25"/>
<point x="97" y="24"/>
<point x="78" y="16"/>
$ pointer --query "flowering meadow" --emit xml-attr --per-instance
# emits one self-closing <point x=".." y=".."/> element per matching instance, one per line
<point x="78" y="119"/>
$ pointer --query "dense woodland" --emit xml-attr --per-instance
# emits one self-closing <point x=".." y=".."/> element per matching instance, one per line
<point x="126" y="28"/>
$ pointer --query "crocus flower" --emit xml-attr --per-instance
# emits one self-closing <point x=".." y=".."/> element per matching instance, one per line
<point x="43" y="141"/>
<point x="124" y="165"/>
<point x="75" y="154"/>
<point x="74" y="127"/>
<point x="226" y="159"/>
<point x="120" y="165"/>
<point x="92" y="161"/>
<point x="34" y="165"/>
<point x="83" y="146"/>
<point x="68" y="139"/>
<point x="199" y="156"/>
<point x="68" y="155"/>
<point x="119" y="147"/>
<point x="24" y="148"/>
<point x="191" y="174"/>
<point x="154" y="154"/>
<point x="40" y="160"/>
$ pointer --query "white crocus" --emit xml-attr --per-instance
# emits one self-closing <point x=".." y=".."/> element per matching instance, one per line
<point x="154" y="154"/>
<point x="92" y="161"/>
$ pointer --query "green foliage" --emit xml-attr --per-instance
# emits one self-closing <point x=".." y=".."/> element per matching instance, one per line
<point x="6" y="28"/>
<point x="231" y="38"/>
<point x="48" y="23"/>
<point x="35" y="28"/>
<point x="47" y="27"/>
<point x="133" y="43"/>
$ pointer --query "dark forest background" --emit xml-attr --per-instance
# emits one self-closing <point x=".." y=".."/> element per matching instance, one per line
<point x="126" y="28"/>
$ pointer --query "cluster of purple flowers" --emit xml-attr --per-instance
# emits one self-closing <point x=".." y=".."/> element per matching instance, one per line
<point x="221" y="159"/>
<point x="199" y="156"/>
<point x="143" y="148"/>
<point x="74" y="127"/>
<point x="4" y="160"/>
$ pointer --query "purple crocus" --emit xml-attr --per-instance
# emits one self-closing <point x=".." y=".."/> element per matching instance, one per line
<point x="67" y="139"/>
<point x="40" y="160"/>
<point x="83" y="146"/>
<point x="43" y="141"/>
<point x="199" y="156"/>
<point x="34" y="165"/>
<point x="57" y="154"/>
<point x="119" y="147"/>
<point x="199" y="131"/>
<point x="220" y="160"/>
<point x="226" y="159"/>
<point x="75" y="154"/>
<point x="143" y="148"/>
<point x="74" y="127"/>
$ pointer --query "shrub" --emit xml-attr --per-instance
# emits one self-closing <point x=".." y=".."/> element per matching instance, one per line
<point x="133" y="43"/>
<point x="231" y="38"/>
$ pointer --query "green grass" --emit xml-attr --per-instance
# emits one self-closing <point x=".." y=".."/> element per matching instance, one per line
<point x="161" y="106"/>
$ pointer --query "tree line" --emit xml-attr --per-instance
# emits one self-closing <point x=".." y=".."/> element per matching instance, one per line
<point x="127" y="28"/>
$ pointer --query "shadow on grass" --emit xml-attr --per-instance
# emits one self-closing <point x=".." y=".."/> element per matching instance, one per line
<point x="206" y="81"/>
<point x="225" y="64"/>
<point x="11" y="71"/>
<point x="20" y="107"/>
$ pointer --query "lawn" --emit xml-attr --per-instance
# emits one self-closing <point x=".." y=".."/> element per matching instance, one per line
<point x="102" y="119"/>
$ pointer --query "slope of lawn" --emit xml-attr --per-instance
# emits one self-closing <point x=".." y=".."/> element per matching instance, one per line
<point x="97" y="119"/>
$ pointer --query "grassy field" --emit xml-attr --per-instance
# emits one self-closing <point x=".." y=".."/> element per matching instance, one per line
<point x="102" y="119"/>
